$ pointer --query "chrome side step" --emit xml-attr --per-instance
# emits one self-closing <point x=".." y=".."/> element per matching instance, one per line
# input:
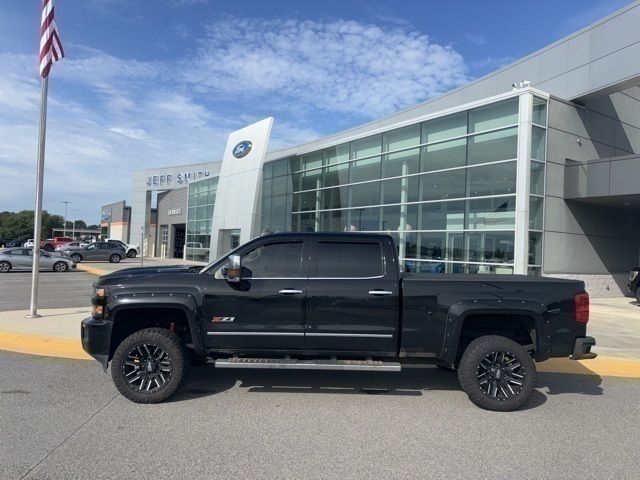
<point x="320" y="364"/>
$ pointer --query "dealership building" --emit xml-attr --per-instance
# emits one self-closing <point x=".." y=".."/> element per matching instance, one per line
<point x="532" y="169"/>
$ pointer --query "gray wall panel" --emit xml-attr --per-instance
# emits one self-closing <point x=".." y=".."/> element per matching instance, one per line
<point x="625" y="177"/>
<point x="172" y="200"/>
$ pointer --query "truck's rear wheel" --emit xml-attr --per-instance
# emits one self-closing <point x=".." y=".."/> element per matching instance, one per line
<point x="149" y="365"/>
<point x="497" y="373"/>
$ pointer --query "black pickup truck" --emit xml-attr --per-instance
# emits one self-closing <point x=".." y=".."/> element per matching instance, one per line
<point x="332" y="302"/>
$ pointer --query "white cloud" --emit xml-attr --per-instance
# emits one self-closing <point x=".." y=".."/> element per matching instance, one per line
<point x="334" y="66"/>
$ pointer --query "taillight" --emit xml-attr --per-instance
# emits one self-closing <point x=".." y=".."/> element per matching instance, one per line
<point x="581" y="301"/>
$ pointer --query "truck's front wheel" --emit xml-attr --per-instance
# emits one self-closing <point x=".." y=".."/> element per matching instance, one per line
<point x="497" y="373"/>
<point x="149" y="365"/>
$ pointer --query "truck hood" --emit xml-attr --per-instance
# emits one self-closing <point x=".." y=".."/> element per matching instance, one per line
<point x="139" y="273"/>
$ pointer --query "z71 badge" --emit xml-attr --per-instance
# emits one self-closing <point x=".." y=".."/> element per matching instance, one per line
<point x="222" y="319"/>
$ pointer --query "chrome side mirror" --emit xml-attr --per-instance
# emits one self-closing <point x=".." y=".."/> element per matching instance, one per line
<point x="232" y="271"/>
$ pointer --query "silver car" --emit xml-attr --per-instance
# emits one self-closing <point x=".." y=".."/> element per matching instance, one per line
<point x="22" y="259"/>
<point x="103" y="251"/>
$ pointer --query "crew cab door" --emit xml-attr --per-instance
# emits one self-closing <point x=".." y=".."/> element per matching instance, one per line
<point x="352" y="303"/>
<point x="265" y="310"/>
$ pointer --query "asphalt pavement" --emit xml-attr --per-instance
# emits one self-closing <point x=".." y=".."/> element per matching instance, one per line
<point x="55" y="290"/>
<point x="63" y="419"/>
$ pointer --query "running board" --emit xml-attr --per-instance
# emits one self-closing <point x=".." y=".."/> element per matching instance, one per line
<point x="293" y="364"/>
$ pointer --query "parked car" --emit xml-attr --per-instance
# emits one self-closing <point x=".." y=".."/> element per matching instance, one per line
<point x="130" y="249"/>
<point x="28" y="243"/>
<point x="102" y="251"/>
<point x="66" y="246"/>
<point x="17" y="242"/>
<point x="633" y="285"/>
<point x="22" y="259"/>
<point x="321" y="301"/>
<point x="51" y="244"/>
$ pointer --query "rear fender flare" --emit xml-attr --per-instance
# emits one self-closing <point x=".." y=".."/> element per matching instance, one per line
<point x="463" y="309"/>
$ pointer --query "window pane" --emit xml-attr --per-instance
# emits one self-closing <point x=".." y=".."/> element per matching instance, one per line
<point x="274" y="260"/>
<point x="339" y="153"/>
<point x="431" y="245"/>
<point x="401" y="138"/>
<point x="281" y="167"/>
<point x="342" y="259"/>
<point x="454" y="246"/>
<point x="535" y="248"/>
<point x="538" y="136"/>
<point x="280" y="185"/>
<point x="444" y="155"/>
<point x="365" y="194"/>
<point x="540" y="111"/>
<point x="498" y="247"/>
<point x="304" y="201"/>
<point x="492" y="179"/>
<point x="335" y="175"/>
<point x="443" y="185"/>
<point x="492" y="116"/>
<point x="392" y="190"/>
<point x="334" y="198"/>
<point x="333" y="221"/>
<point x="303" y="222"/>
<point x="310" y="180"/>
<point x="266" y="206"/>
<point x="492" y="213"/>
<point x="279" y="223"/>
<point x="402" y="163"/>
<point x="364" y="219"/>
<point x="362" y="170"/>
<point x="537" y="178"/>
<point x="442" y="216"/>
<point x="391" y="218"/>
<point x="494" y="146"/>
<point x="535" y="213"/>
<point x="366" y="146"/>
<point x="312" y="160"/>
<point x="267" y="170"/>
<point x="279" y="205"/>
<point x="265" y="223"/>
<point x="444" y="128"/>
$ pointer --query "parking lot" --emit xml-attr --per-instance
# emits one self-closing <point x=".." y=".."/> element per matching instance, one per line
<point x="63" y="418"/>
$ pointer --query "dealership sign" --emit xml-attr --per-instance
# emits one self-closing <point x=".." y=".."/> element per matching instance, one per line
<point x="242" y="149"/>
<point x="180" y="178"/>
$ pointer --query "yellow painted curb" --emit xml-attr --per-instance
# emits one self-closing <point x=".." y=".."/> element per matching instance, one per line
<point x="602" y="366"/>
<point x="46" y="346"/>
<point x="94" y="271"/>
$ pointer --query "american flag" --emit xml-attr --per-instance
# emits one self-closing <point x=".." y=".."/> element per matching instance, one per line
<point x="50" y="46"/>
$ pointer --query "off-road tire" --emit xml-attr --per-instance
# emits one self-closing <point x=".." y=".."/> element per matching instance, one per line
<point x="60" y="267"/>
<point x="176" y="352"/>
<point x="469" y="369"/>
<point x="115" y="258"/>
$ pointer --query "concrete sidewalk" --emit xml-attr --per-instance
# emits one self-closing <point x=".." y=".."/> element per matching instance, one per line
<point x="614" y="322"/>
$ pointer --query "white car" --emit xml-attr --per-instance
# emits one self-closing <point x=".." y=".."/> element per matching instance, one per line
<point x="28" y="243"/>
<point x="132" y="250"/>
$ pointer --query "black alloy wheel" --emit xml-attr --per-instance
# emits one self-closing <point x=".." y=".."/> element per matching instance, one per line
<point x="115" y="258"/>
<point x="149" y="365"/>
<point x="60" y="267"/>
<point x="497" y="373"/>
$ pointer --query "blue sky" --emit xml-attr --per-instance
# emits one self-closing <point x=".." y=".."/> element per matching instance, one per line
<point x="151" y="83"/>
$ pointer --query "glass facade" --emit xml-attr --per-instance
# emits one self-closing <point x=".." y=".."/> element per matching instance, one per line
<point x="201" y="200"/>
<point x="444" y="188"/>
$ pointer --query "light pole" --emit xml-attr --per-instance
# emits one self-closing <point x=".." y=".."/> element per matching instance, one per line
<point x="64" y="230"/>
<point x="75" y="217"/>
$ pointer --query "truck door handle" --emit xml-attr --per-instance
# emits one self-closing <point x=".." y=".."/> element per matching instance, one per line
<point x="380" y="292"/>
<point x="290" y="291"/>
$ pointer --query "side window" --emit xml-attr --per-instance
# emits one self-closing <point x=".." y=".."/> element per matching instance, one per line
<point x="91" y="247"/>
<point x="274" y="260"/>
<point x="17" y="251"/>
<point x="105" y="246"/>
<point x="354" y="260"/>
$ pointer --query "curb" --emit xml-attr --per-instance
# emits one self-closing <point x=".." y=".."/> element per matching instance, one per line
<point x="43" y="346"/>
<point x="94" y="271"/>
<point x="72" y="349"/>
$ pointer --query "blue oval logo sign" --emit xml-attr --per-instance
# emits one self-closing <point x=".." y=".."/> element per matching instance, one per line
<point x="242" y="149"/>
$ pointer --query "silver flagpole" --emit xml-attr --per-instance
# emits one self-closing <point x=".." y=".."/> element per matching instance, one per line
<point x="37" y="222"/>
